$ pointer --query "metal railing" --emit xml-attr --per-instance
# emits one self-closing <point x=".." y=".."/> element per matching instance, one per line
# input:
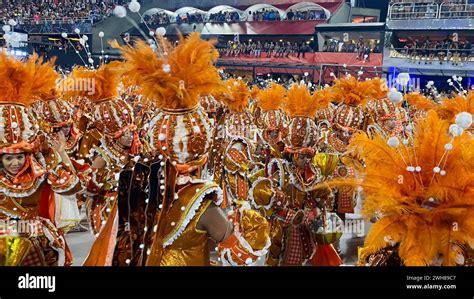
<point x="407" y="11"/>
<point x="456" y="11"/>
<point x="432" y="54"/>
<point x="412" y="10"/>
<point x="54" y="21"/>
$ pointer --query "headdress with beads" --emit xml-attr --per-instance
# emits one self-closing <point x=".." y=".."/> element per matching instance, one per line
<point x="22" y="84"/>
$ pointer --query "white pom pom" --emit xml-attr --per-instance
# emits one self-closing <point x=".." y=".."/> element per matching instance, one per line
<point x="410" y="169"/>
<point x="393" y="142"/>
<point x="405" y="141"/>
<point x="166" y="68"/>
<point x="81" y="41"/>
<point x="161" y="137"/>
<point x="306" y="74"/>
<point x="464" y="120"/>
<point x="101" y="34"/>
<point x="454" y="129"/>
<point x="12" y="22"/>
<point x="395" y="96"/>
<point x="436" y="169"/>
<point x="403" y="79"/>
<point x="442" y="172"/>
<point x="6" y="28"/>
<point x="448" y="146"/>
<point x="134" y="6"/>
<point x="91" y="60"/>
<point x="418" y="169"/>
<point x="409" y="128"/>
<point x="332" y="74"/>
<point x="120" y="11"/>
<point x="77" y="30"/>
<point x="160" y="31"/>
<point x="248" y="261"/>
<point x="344" y="65"/>
<point x="14" y="125"/>
<point x="85" y="38"/>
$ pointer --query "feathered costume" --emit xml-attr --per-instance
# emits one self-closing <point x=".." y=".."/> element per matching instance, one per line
<point x="28" y="195"/>
<point x="180" y="136"/>
<point x="422" y="194"/>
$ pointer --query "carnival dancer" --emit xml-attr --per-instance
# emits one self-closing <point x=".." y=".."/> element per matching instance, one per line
<point x="234" y="145"/>
<point x="112" y="142"/>
<point x="187" y="211"/>
<point x="293" y="179"/>
<point x="385" y="113"/>
<point x="32" y="172"/>
<point x="271" y="122"/>
<point x="350" y="116"/>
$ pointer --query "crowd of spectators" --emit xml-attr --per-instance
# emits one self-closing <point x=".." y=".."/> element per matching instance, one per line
<point x="306" y="15"/>
<point x="265" y="15"/>
<point x="267" y="49"/>
<point x="190" y="18"/>
<point x="157" y="19"/>
<point x="426" y="51"/>
<point x="65" y="11"/>
<point x="431" y="9"/>
<point x="224" y="17"/>
<point x="362" y="48"/>
<point x="261" y="15"/>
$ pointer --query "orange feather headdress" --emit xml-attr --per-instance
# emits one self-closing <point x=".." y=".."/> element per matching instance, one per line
<point x="380" y="88"/>
<point x="419" y="101"/>
<point x="254" y="92"/>
<point x="236" y="96"/>
<point x="300" y="102"/>
<point x="323" y="98"/>
<point x="176" y="79"/>
<point x="451" y="107"/>
<point x="271" y="98"/>
<point x="419" y="203"/>
<point x="95" y="85"/>
<point x="25" y="82"/>
<point x="352" y="92"/>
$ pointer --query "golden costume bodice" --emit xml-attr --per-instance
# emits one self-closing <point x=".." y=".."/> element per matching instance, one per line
<point x="185" y="244"/>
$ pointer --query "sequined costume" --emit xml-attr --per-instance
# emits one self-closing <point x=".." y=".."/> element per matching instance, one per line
<point x="179" y="136"/>
<point x="28" y="197"/>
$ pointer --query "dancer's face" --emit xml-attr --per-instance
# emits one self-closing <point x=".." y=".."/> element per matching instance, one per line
<point x="302" y="160"/>
<point x="13" y="162"/>
<point x="126" y="139"/>
<point x="66" y="131"/>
